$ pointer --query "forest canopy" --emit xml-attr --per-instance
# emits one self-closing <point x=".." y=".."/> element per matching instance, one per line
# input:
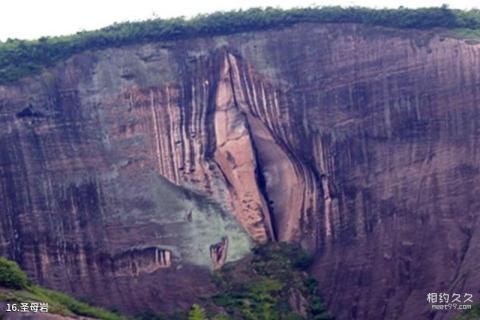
<point x="19" y="58"/>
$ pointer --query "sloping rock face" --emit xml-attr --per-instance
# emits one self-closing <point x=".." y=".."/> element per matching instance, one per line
<point x="126" y="173"/>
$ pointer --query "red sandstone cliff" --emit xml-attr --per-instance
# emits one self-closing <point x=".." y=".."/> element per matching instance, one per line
<point x="121" y="170"/>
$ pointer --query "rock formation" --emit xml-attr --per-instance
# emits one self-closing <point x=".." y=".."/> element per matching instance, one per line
<point x="218" y="253"/>
<point x="121" y="170"/>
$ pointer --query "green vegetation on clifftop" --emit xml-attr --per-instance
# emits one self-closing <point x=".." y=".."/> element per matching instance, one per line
<point x="19" y="58"/>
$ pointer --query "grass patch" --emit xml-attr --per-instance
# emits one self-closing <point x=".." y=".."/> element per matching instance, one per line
<point x="16" y="287"/>
<point x="58" y="302"/>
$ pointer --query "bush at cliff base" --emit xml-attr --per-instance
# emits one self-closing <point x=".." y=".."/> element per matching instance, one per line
<point x="197" y="313"/>
<point x="11" y="276"/>
<point x="260" y="287"/>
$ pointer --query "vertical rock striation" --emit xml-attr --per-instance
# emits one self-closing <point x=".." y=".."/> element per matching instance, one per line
<point x="130" y="170"/>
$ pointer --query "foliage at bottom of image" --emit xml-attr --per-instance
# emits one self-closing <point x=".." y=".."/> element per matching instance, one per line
<point x="271" y="284"/>
<point x="15" y="287"/>
<point x="472" y="314"/>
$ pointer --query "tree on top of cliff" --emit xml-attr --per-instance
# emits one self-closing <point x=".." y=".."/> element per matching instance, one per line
<point x="19" y="58"/>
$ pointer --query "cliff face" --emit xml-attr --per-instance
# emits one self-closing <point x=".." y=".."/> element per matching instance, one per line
<point x="127" y="174"/>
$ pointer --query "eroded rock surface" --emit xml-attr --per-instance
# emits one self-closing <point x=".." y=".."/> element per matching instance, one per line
<point x="360" y="143"/>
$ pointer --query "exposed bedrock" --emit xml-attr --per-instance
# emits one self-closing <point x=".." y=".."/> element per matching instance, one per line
<point x="128" y="174"/>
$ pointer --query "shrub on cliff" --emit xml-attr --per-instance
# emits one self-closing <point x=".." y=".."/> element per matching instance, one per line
<point x="18" y="288"/>
<point x="262" y="286"/>
<point x="197" y="313"/>
<point x="11" y="276"/>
